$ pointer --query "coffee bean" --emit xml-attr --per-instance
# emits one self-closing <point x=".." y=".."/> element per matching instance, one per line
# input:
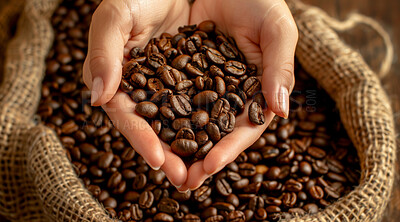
<point x="204" y="149"/>
<point x="256" y="114"/>
<point x="236" y="215"/>
<point x="316" y="152"/>
<point x="161" y="96"/>
<point x="305" y="168"/>
<point x="168" y="205"/>
<point x="213" y="132"/>
<point x="185" y="133"/>
<point x="184" y="147"/>
<point x="220" y="88"/>
<point x="154" y="85"/>
<point x="167" y="134"/>
<point x="226" y="122"/>
<point x="139" y="182"/>
<point x="200" y="119"/>
<point x="204" y="98"/>
<point x="215" y="56"/>
<point x="180" y="123"/>
<point x="138" y="80"/>
<point x="169" y="75"/>
<point x="180" y="105"/>
<point x="316" y="192"/>
<point x="223" y="187"/>
<point x="105" y="160"/>
<point x="235" y="68"/>
<point x="235" y="102"/>
<point x="146" y="199"/>
<point x="138" y="95"/>
<point x="167" y="113"/>
<point x="180" y="61"/>
<point x="221" y="106"/>
<point x="251" y="86"/>
<point x="202" y="193"/>
<point x="147" y="109"/>
<point x="183" y="86"/>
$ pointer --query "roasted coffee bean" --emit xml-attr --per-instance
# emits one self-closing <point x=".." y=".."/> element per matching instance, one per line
<point x="154" y="85"/>
<point x="110" y="202"/>
<point x="221" y="106"/>
<point x="184" y="147"/>
<point x="320" y="167"/>
<point x="139" y="182"/>
<point x="220" y="88"/>
<point x="235" y="68"/>
<point x="146" y="199"/>
<point x="199" y="83"/>
<point x="147" y="109"/>
<point x="223" y="187"/>
<point x="316" y="192"/>
<point x="180" y="61"/>
<point x="204" y="149"/>
<point x="138" y="95"/>
<point x="251" y="86"/>
<point x="138" y="80"/>
<point x="169" y="75"/>
<point x="167" y="113"/>
<point x="126" y="86"/>
<point x="213" y="132"/>
<point x="235" y="102"/>
<point x="185" y="133"/>
<point x="180" y="105"/>
<point x="236" y="215"/>
<point x="316" y="152"/>
<point x="161" y="96"/>
<point x="215" y="56"/>
<point x="222" y="206"/>
<point x="201" y="137"/>
<point x="202" y="193"/>
<point x="226" y="122"/>
<point x="311" y="208"/>
<point x="167" y="134"/>
<point x="163" y="217"/>
<point x="204" y="98"/>
<point x="200" y="119"/>
<point x="105" y="160"/>
<point x="180" y="123"/>
<point x="193" y="71"/>
<point x="247" y="169"/>
<point x="256" y="114"/>
<point x="168" y="205"/>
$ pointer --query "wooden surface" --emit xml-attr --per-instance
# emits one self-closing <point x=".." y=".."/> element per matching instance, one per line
<point x="387" y="13"/>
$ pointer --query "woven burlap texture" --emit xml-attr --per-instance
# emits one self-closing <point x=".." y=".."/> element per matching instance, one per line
<point x="37" y="182"/>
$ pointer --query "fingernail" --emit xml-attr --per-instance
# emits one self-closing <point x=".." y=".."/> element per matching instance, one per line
<point x="183" y="191"/>
<point x="284" y="102"/>
<point x="97" y="89"/>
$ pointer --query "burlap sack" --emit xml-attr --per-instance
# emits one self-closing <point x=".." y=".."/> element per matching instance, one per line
<point x="37" y="182"/>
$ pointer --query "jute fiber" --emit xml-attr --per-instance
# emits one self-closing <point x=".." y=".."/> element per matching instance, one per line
<point x="37" y="182"/>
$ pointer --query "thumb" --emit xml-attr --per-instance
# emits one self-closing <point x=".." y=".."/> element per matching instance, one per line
<point x="109" y="31"/>
<point x="278" y="43"/>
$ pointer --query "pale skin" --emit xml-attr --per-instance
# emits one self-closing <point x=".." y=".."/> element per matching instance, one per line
<point x="264" y="31"/>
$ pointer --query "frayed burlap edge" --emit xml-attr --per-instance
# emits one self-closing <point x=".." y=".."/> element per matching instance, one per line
<point x="37" y="182"/>
<point x="364" y="110"/>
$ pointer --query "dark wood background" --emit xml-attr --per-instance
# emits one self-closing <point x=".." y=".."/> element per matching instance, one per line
<point x="387" y="12"/>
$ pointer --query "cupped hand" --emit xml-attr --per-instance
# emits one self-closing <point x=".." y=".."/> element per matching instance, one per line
<point x="118" y="26"/>
<point x="266" y="34"/>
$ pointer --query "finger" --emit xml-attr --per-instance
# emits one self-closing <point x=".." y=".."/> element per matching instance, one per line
<point x="229" y="147"/>
<point x="109" y="31"/>
<point x="196" y="176"/>
<point x="121" y="110"/>
<point x="173" y="167"/>
<point x="278" y="39"/>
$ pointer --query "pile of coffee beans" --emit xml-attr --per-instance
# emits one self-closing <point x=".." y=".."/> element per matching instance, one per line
<point x="299" y="165"/>
<point x="190" y="87"/>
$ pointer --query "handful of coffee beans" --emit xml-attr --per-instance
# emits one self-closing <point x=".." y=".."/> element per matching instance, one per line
<point x="299" y="165"/>
<point x="191" y="86"/>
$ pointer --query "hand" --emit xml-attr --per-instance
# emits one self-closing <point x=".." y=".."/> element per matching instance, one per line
<point x="118" y="26"/>
<point x="265" y="32"/>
